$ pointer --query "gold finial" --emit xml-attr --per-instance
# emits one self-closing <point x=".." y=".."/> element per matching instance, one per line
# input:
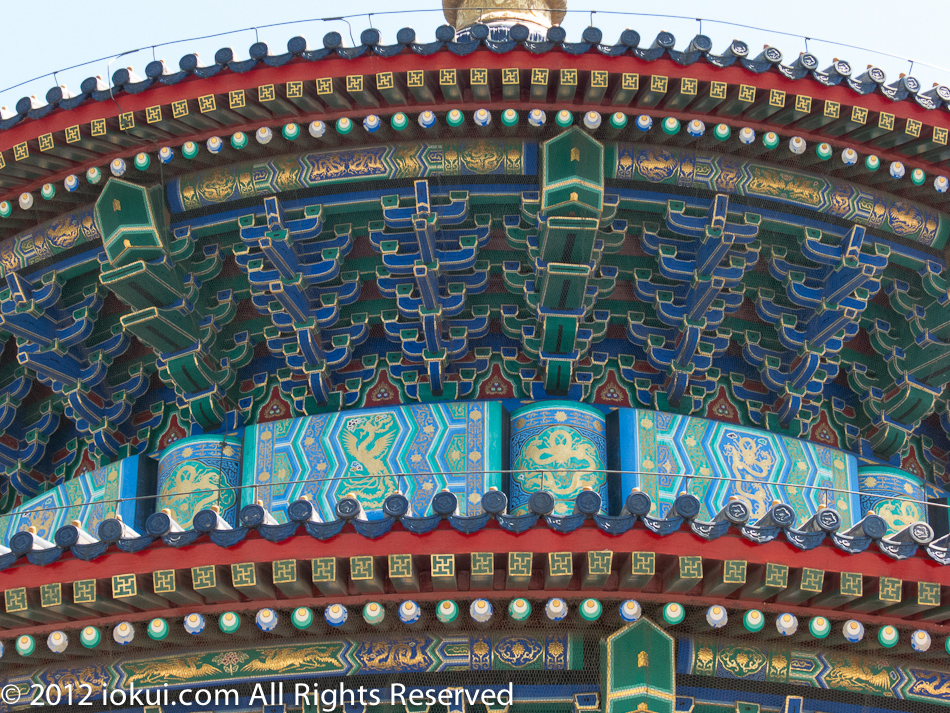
<point x="462" y="13"/>
<point x="643" y="659"/>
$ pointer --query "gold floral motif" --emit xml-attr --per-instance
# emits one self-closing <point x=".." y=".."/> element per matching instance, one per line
<point x="482" y="156"/>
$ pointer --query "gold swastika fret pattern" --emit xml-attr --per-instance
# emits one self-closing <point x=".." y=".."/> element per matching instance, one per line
<point x="444" y="565"/>
<point x="630" y="81"/>
<point x="852" y="584"/>
<point x="237" y="99"/>
<point x="913" y="128"/>
<point x="415" y="78"/>
<point x="928" y="594"/>
<point x="324" y="85"/>
<point x="400" y="566"/>
<point x="560" y="564"/>
<point x="207" y="103"/>
<point x="15" y="600"/>
<point x="294" y="90"/>
<point x="126" y="121"/>
<point x="51" y="595"/>
<point x="734" y="571"/>
<point x="124" y="585"/>
<point x="539" y="76"/>
<point x="266" y="93"/>
<point x="599" y="562"/>
<point x="689" y="86"/>
<point x="483" y="564"/>
<point x="718" y="90"/>
<point x="746" y="93"/>
<point x="46" y="142"/>
<point x="244" y="574"/>
<point x="777" y="98"/>
<point x="354" y="83"/>
<point x="776" y="575"/>
<point x="447" y="77"/>
<point x="691" y="567"/>
<point x="180" y="108"/>
<point x="519" y="564"/>
<point x="812" y="579"/>
<point x="284" y="571"/>
<point x="84" y="591"/>
<point x="164" y="581"/>
<point x="73" y="134"/>
<point x="97" y="127"/>
<point x="385" y="80"/>
<point x="153" y="114"/>
<point x="659" y="83"/>
<point x="478" y="76"/>
<point x="361" y="568"/>
<point x="204" y="577"/>
<point x="832" y="109"/>
<point x="324" y="569"/>
<point x="889" y="589"/>
<point x="643" y="563"/>
<point x="21" y="151"/>
<point x="510" y="75"/>
<point x="569" y="76"/>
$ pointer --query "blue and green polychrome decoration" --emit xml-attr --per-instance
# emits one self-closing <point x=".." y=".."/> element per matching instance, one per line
<point x="477" y="157"/>
<point x="373" y="453"/>
<point x="666" y="454"/>
<point x="893" y="494"/>
<point x="637" y="670"/>
<point x="197" y="473"/>
<point x="559" y="447"/>
<point x="122" y="488"/>
<point x="738" y="176"/>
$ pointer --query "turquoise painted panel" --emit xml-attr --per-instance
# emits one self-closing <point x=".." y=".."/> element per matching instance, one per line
<point x="560" y="447"/>
<point x="196" y="473"/>
<point x="370" y="454"/>
<point x="90" y="498"/>
<point x="665" y="454"/>
<point x="894" y="494"/>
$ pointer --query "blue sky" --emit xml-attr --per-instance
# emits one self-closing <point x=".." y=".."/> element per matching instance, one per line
<point x="39" y="39"/>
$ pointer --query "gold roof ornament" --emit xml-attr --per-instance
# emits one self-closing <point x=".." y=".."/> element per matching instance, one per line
<point x="464" y="13"/>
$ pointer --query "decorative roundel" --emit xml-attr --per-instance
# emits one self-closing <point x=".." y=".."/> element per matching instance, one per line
<point x="897" y="169"/>
<point x="797" y="145"/>
<point x="48" y="191"/>
<point x="396" y="505"/>
<point x="373" y="613"/>
<point x="404" y="36"/>
<point x="519" y="609"/>
<point x="71" y="183"/>
<point x="638" y="503"/>
<point x="747" y="135"/>
<point x="158" y="524"/>
<point x="630" y="38"/>
<point x="5" y="209"/>
<point x="290" y="131"/>
<point x="93" y="175"/>
<point x="519" y="33"/>
<point x="853" y="631"/>
<point x="941" y="184"/>
<point x="264" y="135"/>
<point x="445" y="503"/>
<point x="828" y="520"/>
<point x="21" y="543"/>
<point x="409" y="612"/>
<point x="229" y="622"/>
<point x="739" y="48"/>
<point x="317" y="129"/>
<point x="943" y="91"/>
<point x="427" y="119"/>
<point x="25" y="645"/>
<point x="481" y="610"/>
<point x="110" y="530"/>
<point x="842" y="68"/>
<point x="205" y="521"/>
<point x="674" y="613"/>
<point x="666" y="40"/>
<point x="922" y="533"/>
<point x="592" y="35"/>
<point x="537" y="117"/>
<point x="57" y="642"/>
<point x="541" y="502"/>
<point x="737" y="512"/>
<point x="90" y="637"/>
<point x="123" y="633"/>
<point x="773" y="55"/>
<point x="302" y="617"/>
<point x="695" y="128"/>
<point x="335" y="615"/>
<point x="344" y="125"/>
<point x="877" y="75"/>
<point x="266" y="620"/>
<point x="753" y="620"/>
<point x="555" y="609"/>
<point x="158" y="629"/>
<point x="299" y="510"/>
<point x="447" y="611"/>
<point x="194" y="623"/>
<point x="592" y="120"/>
<point x="251" y="515"/>
<point x="644" y="122"/>
<point x="920" y="641"/>
<point x="912" y="84"/>
<point x="717" y="616"/>
<point x="214" y="145"/>
<point x="443" y="33"/>
<point x="347" y="508"/>
<point x="371" y="124"/>
<point x="118" y="167"/>
<point x="875" y="527"/>
<point x="591" y="609"/>
<point x="588" y="502"/>
<point x="480" y="31"/>
<point x="702" y="43"/>
<point x="142" y="161"/>
<point x="786" y="624"/>
<point x="66" y="536"/>
<point x="166" y="154"/>
<point x="494" y="502"/>
<point x="809" y="61"/>
<point x="687" y="505"/>
<point x="481" y="117"/>
<point x="556" y="34"/>
<point x="849" y="157"/>
<point x="783" y="515"/>
<point x="631" y="611"/>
